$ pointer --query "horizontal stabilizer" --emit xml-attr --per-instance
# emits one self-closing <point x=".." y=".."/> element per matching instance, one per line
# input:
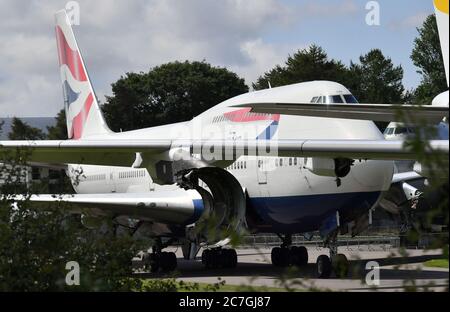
<point x="174" y="206"/>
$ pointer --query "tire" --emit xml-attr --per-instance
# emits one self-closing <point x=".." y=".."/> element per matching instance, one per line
<point x="275" y="256"/>
<point x="324" y="267"/>
<point x="299" y="256"/>
<point x="154" y="260"/>
<point x="231" y="255"/>
<point x="285" y="257"/>
<point x="206" y="258"/>
<point x="223" y="255"/>
<point x="340" y="265"/>
<point x="168" y="261"/>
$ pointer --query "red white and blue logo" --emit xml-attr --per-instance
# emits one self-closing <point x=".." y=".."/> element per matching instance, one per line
<point x="75" y="85"/>
<point x="245" y="115"/>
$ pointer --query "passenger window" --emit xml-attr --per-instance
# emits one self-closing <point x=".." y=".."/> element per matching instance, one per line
<point x="290" y="161"/>
<point x="281" y="162"/>
<point x="295" y="161"/>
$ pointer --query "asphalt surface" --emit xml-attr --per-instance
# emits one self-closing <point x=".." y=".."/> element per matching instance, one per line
<point x="397" y="272"/>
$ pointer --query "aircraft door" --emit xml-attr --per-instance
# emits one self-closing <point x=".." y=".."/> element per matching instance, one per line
<point x="112" y="182"/>
<point x="262" y="168"/>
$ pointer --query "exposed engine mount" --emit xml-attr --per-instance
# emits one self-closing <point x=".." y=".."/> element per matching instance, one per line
<point x="328" y="167"/>
<point x="227" y="204"/>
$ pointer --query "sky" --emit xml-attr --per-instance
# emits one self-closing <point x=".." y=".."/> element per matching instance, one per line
<point x="248" y="37"/>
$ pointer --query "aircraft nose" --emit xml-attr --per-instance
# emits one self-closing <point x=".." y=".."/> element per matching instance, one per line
<point x="373" y="174"/>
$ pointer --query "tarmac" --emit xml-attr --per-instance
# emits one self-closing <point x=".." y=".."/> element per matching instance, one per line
<point x="397" y="271"/>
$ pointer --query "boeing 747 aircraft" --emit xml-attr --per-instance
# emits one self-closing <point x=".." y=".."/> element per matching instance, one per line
<point x="295" y="159"/>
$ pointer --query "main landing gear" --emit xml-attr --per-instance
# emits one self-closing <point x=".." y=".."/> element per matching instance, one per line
<point x="160" y="260"/>
<point x="337" y="263"/>
<point x="219" y="258"/>
<point x="287" y="255"/>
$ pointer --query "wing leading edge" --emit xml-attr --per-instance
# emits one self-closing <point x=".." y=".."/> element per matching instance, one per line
<point x="374" y="112"/>
<point x="123" y="153"/>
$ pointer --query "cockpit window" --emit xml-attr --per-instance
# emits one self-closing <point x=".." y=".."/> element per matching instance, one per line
<point x="389" y="131"/>
<point x="401" y="130"/>
<point x="335" y="99"/>
<point x="349" y="98"/>
<point x="314" y="99"/>
<point x="319" y="100"/>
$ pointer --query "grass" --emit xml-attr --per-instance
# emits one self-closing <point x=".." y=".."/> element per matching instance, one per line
<point x="163" y="285"/>
<point x="236" y="288"/>
<point x="437" y="263"/>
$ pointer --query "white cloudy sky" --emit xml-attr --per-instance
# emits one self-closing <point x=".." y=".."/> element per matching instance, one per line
<point x="246" y="36"/>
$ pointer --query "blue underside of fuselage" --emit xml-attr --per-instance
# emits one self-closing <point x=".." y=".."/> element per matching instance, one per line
<point x="300" y="214"/>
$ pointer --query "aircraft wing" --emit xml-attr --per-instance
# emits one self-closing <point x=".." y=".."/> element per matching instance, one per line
<point x="123" y="152"/>
<point x="53" y="153"/>
<point x="374" y="112"/>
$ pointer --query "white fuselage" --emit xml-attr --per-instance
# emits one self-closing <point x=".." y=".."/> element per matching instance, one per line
<point x="282" y="189"/>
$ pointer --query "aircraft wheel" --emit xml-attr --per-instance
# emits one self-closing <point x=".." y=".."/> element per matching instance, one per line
<point x="154" y="261"/>
<point x="299" y="256"/>
<point x="324" y="267"/>
<point x="231" y="257"/>
<point x="340" y="265"/>
<point x="285" y="257"/>
<point x="207" y="258"/>
<point x="275" y="256"/>
<point x="281" y="257"/>
<point x="168" y="261"/>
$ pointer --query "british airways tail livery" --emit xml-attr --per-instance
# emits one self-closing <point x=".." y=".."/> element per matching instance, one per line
<point x="82" y="109"/>
<point x="301" y="158"/>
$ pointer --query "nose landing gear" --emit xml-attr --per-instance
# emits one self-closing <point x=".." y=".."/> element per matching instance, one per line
<point x="337" y="263"/>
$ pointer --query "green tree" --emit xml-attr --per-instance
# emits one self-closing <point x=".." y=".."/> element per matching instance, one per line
<point x="22" y="131"/>
<point x="37" y="241"/>
<point x="375" y="79"/>
<point x="427" y="56"/>
<point x="305" y="65"/>
<point x="59" y="130"/>
<point x="169" y="93"/>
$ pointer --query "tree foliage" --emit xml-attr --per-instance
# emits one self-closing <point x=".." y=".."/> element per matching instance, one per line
<point x="427" y="56"/>
<point x="59" y="130"/>
<point x="169" y="93"/>
<point x="2" y="122"/>
<point x="22" y="131"/>
<point x="375" y="79"/>
<point x="37" y="242"/>
<point x="305" y="65"/>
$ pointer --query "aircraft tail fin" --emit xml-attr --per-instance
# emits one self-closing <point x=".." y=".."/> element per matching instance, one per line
<point x="83" y="114"/>
<point x="441" y="7"/>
